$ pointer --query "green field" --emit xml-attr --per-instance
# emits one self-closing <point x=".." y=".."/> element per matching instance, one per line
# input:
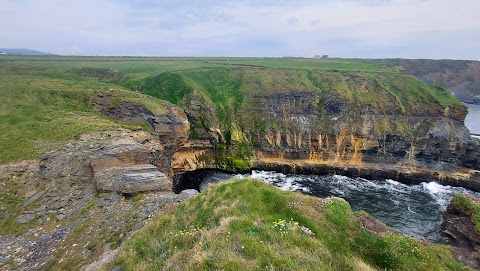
<point x="144" y="66"/>
<point x="47" y="100"/>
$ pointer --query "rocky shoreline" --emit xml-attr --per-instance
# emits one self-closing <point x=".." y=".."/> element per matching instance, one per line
<point x="85" y="198"/>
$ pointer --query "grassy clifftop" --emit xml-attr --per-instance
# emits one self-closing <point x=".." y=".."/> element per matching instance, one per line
<point x="227" y="86"/>
<point x="47" y="100"/>
<point x="249" y="225"/>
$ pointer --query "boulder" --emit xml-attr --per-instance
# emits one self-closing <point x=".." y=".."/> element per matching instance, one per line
<point x="188" y="193"/>
<point x="131" y="179"/>
<point x="121" y="152"/>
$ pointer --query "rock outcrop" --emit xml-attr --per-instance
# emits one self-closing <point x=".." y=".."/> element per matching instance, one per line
<point x="171" y="125"/>
<point x="369" y="125"/>
<point x="57" y="224"/>
<point x="82" y="200"/>
<point x="131" y="179"/>
<point x="313" y="132"/>
<point x="118" y="164"/>
<point x="123" y="166"/>
<point x="459" y="228"/>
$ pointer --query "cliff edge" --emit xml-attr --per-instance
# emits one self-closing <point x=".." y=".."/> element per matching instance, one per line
<point x="461" y="224"/>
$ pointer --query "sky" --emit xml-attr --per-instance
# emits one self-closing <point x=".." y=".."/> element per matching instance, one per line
<point x="437" y="29"/>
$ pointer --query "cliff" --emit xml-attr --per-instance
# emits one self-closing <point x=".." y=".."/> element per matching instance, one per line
<point x="368" y="124"/>
<point x="301" y="115"/>
<point x="105" y="158"/>
<point x="461" y="224"/>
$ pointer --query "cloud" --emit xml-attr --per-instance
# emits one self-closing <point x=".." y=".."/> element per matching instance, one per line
<point x="346" y="28"/>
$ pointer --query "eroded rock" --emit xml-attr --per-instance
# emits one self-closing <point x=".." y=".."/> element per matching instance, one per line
<point x="458" y="227"/>
<point x="131" y="179"/>
<point x="123" y="166"/>
<point x="171" y="126"/>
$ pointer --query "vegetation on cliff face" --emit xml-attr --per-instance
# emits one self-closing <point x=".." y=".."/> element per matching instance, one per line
<point x="47" y="100"/>
<point x="277" y="107"/>
<point x="249" y="225"/>
<point x="231" y="88"/>
<point x="470" y="207"/>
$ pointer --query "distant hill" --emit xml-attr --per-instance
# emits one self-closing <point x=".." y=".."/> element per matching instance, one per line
<point x="461" y="77"/>
<point x="23" y="51"/>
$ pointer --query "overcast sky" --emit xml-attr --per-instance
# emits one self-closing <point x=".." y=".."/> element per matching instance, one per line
<point x="343" y="28"/>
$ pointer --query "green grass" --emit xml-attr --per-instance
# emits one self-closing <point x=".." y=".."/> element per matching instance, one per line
<point x="250" y="225"/>
<point x="234" y="87"/>
<point x="11" y="203"/>
<point x="151" y="65"/>
<point x="41" y="109"/>
<point x="467" y="205"/>
<point x="47" y="100"/>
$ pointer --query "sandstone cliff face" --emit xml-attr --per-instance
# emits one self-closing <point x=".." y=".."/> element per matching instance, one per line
<point x="357" y="129"/>
<point x="297" y="130"/>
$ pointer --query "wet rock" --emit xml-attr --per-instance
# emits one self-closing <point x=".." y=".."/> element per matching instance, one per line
<point x="25" y="218"/>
